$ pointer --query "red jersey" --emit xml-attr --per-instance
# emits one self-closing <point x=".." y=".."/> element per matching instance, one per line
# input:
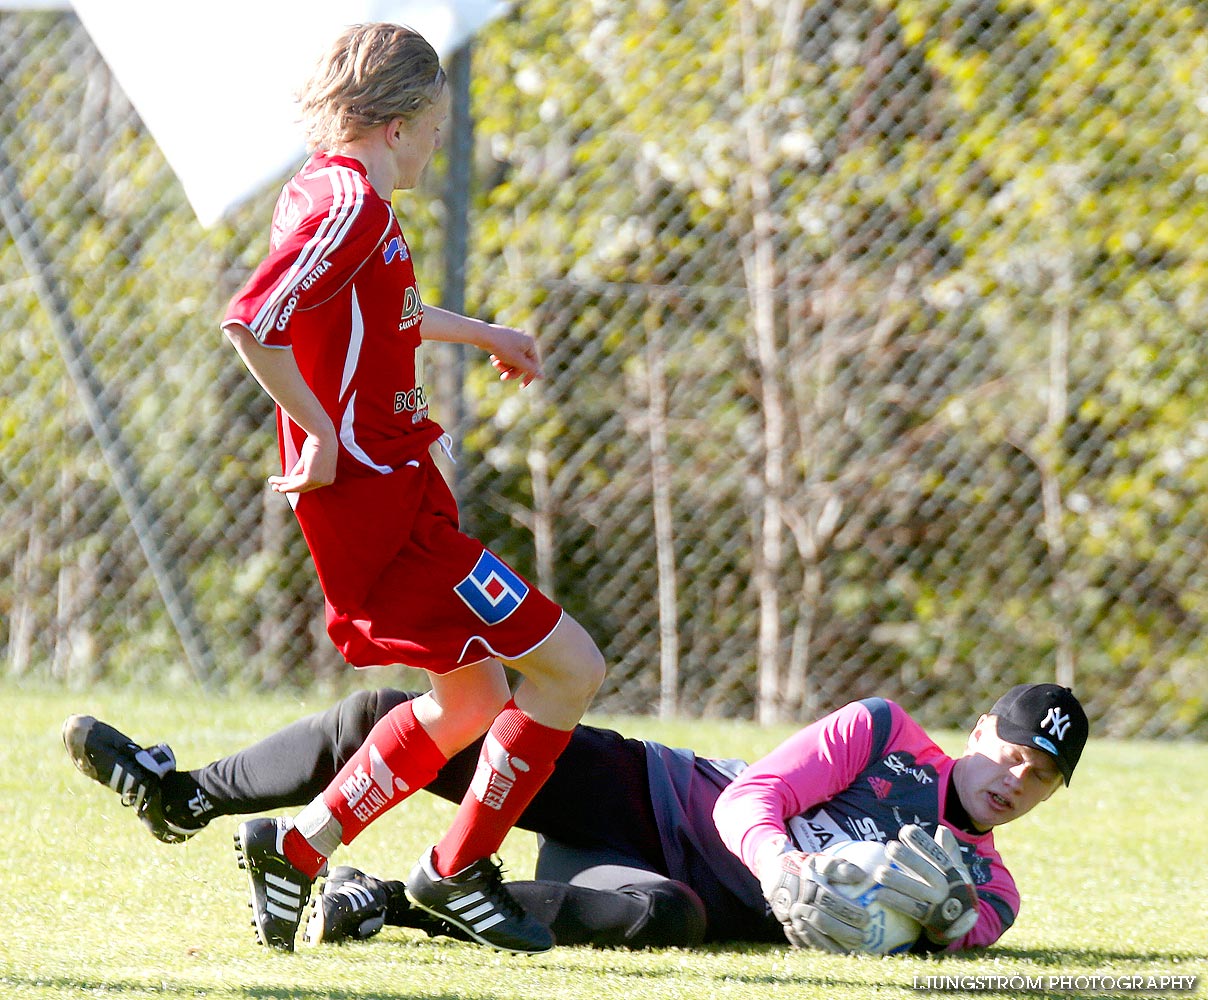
<point x="402" y="583"/>
<point x="338" y="286"/>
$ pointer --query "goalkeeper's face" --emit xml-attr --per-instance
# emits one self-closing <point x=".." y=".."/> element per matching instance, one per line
<point x="998" y="781"/>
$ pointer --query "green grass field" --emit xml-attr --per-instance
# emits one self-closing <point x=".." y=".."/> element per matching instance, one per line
<point x="1112" y="873"/>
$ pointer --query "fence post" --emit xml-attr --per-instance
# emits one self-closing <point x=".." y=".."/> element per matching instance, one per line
<point x="30" y="245"/>
<point x="458" y="178"/>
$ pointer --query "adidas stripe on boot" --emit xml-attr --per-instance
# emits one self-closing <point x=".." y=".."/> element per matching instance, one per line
<point x="476" y="901"/>
<point x="351" y="905"/>
<point x="133" y="772"/>
<point x="279" y="892"/>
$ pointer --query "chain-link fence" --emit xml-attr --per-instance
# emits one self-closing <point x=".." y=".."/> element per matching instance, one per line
<point x="874" y="334"/>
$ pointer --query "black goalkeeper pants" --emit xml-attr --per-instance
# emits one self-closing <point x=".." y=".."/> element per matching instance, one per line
<point x="600" y="868"/>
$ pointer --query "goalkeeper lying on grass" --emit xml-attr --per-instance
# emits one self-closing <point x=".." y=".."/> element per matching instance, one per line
<point x="644" y="845"/>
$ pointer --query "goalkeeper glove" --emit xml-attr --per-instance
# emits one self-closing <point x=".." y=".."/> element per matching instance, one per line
<point x="930" y="883"/>
<point x="797" y="886"/>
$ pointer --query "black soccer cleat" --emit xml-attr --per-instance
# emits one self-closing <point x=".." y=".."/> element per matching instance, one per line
<point x="279" y="892"/>
<point x="353" y="905"/>
<point x="476" y="902"/>
<point x="350" y="906"/>
<point x="133" y="772"/>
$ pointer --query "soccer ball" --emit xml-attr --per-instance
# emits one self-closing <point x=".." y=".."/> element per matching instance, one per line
<point x="888" y="932"/>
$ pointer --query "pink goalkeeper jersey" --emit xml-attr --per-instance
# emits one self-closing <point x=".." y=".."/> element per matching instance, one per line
<point x="860" y="773"/>
<point x="338" y="287"/>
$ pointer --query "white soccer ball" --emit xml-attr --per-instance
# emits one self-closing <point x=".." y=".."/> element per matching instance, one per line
<point x="888" y="931"/>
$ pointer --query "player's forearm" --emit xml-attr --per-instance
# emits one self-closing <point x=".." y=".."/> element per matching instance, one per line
<point x="277" y="372"/>
<point x="514" y="353"/>
<point x="453" y="328"/>
<point x="749" y="821"/>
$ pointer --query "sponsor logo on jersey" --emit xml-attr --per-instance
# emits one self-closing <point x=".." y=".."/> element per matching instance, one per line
<point x="413" y="309"/>
<point x="319" y="270"/>
<point x="880" y="787"/>
<point x="816" y="833"/>
<point x="411" y="400"/>
<point x="492" y="591"/>
<point x="903" y="764"/>
<point x="902" y="821"/>
<point x="865" y="828"/>
<point x="304" y="285"/>
<point x="979" y="867"/>
<point x="285" y="219"/>
<point x="414" y="401"/>
<point x="495" y="774"/>
<point x="395" y="248"/>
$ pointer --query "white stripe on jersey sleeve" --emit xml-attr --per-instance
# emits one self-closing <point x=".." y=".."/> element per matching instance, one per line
<point x="347" y="201"/>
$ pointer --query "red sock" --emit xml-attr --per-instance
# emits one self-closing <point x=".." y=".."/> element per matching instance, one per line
<point x="300" y="854"/>
<point x="397" y="758"/>
<point x="517" y="756"/>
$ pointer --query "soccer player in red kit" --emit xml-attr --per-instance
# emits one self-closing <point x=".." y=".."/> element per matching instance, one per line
<point x="331" y="324"/>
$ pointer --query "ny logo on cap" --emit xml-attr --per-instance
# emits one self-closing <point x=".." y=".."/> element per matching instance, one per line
<point x="1056" y="722"/>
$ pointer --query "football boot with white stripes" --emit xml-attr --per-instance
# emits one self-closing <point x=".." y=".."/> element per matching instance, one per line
<point x="351" y="905"/>
<point x="279" y="892"/>
<point x="475" y="901"/>
<point x="133" y="772"/>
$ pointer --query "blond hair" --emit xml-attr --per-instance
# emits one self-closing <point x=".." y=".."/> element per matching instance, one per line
<point x="372" y="73"/>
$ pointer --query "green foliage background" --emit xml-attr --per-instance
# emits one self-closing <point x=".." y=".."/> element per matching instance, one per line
<point x="924" y="280"/>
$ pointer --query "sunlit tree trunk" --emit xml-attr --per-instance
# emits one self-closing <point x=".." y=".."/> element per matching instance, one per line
<point x="763" y="79"/>
<point x="664" y="534"/>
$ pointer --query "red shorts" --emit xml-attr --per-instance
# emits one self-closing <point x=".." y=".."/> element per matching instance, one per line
<point x="404" y="585"/>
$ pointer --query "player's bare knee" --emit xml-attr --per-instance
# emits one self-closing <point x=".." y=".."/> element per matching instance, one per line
<point x="580" y="665"/>
<point x="591" y="673"/>
<point x="561" y="691"/>
<point x="576" y="677"/>
<point x="477" y="716"/>
<point x="455" y="723"/>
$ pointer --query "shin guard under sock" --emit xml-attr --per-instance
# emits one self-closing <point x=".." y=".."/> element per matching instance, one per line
<point x="397" y="758"/>
<point x="517" y="756"/>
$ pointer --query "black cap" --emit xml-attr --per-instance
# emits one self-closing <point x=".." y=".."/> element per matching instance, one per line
<point x="1045" y="716"/>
